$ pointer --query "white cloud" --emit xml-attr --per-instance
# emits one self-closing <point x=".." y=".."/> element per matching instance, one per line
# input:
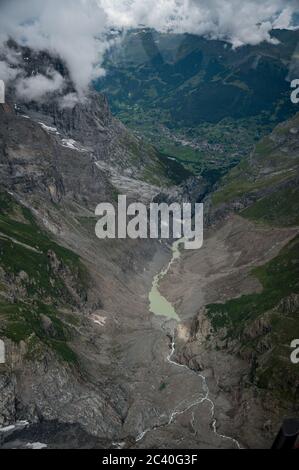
<point x="71" y="29"/>
<point x="8" y="64"/>
<point x="237" y="21"/>
<point x="7" y="73"/>
<point x="77" y="30"/>
<point x="36" y="87"/>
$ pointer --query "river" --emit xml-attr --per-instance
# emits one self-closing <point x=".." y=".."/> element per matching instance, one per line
<point x="160" y="306"/>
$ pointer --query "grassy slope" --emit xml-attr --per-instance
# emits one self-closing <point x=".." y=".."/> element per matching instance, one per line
<point x="158" y="169"/>
<point x="273" y="369"/>
<point x="45" y="289"/>
<point x="278" y="209"/>
<point x="273" y="165"/>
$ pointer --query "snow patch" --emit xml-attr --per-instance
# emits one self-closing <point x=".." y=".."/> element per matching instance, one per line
<point x="99" y="319"/>
<point x="49" y="128"/>
<point x="36" y="445"/>
<point x="73" y="145"/>
<point x="8" y="428"/>
<point x="18" y="425"/>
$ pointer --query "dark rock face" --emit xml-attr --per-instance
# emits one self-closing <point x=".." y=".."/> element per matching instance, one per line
<point x="290" y="304"/>
<point x="34" y="161"/>
<point x="91" y="124"/>
<point x="87" y="120"/>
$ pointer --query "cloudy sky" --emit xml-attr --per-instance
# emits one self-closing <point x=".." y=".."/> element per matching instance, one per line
<point x="77" y="30"/>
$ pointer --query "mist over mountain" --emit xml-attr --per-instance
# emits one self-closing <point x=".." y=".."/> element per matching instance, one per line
<point x="212" y="19"/>
<point x="43" y="26"/>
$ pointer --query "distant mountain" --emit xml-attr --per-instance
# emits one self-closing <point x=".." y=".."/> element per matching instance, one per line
<point x="186" y="93"/>
<point x="198" y="80"/>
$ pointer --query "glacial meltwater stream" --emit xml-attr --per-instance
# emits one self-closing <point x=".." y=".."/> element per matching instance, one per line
<point x="160" y="306"/>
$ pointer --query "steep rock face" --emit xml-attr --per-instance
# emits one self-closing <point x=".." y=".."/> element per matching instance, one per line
<point x="289" y="304"/>
<point x="35" y="161"/>
<point x="42" y="388"/>
<point x="90" y="124"/>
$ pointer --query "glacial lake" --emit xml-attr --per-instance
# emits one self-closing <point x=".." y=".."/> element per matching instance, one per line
<point x="159" y="305"/>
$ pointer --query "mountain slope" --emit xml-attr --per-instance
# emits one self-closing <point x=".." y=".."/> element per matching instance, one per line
<point x="266" y="181"/>
<point x="89" y="122"/>
<point x="70" y="303"/>
<point x="241" y="305"/>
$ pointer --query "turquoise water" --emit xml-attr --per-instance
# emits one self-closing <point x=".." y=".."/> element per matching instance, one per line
<point x="159" y="305"/>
